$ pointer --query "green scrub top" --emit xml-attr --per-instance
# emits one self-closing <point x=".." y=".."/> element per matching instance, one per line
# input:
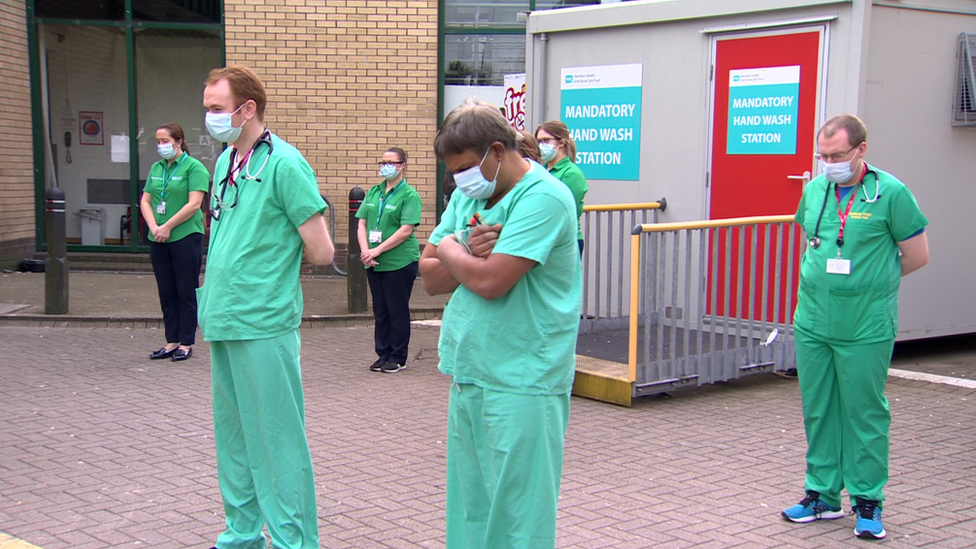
<point x="861" y="306"/>
<point x="401" y="206"/>
<point x="173" y="184"/>
<point x="251" y="289"/>
<point x="523" y="342"/>
<point x="569" y="173"/>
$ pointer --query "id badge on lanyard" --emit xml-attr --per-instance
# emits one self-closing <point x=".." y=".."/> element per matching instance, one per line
<point x="840" y="265"/>
<point x="376" y="235"/>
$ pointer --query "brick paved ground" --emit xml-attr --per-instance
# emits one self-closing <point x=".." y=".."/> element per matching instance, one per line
<point x="103" y="448"/>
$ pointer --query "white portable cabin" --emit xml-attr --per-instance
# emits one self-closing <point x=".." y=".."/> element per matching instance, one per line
<point x="729" y="96"/>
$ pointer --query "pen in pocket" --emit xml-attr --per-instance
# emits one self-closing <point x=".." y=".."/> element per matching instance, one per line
<point x="476" y="220"/>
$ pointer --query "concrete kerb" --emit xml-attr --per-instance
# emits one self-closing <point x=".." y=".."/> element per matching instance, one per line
<point x="111" y="321"/>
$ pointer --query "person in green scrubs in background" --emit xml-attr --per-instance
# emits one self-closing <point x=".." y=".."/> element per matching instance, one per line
<point x="387" y="218"/>
<point x="865" y="231"/>
<point x="170" y="205"/>
<point x="267" y="217"/>
<point x="557" y="149"/>
<point x="506" y="247"/>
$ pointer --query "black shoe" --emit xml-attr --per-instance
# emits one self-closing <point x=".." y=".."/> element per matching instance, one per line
<point x="162" y="353"/>
<point x="377" y="366"/>
<point x="180" y="354"/>
<point x="392" y="367"/>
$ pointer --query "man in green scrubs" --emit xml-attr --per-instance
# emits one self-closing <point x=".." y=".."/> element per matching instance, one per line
<point x="865" y="231"/>
<point x="506" y="248"/>
<point x="267" y="216"/>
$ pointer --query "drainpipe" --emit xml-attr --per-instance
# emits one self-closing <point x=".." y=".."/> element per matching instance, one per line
<point x="543" y="47"/>
<point x="45" y="111"/>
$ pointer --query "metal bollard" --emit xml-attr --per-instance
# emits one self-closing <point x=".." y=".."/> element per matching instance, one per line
<point x="56" y="262"/>
<point x="356" y="272"/>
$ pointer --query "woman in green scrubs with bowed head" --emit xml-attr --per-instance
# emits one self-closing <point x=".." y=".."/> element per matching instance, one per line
<point x="387" y="218"/>
<point x="558" y="152"/>
<point x="506" y="251"/>
<point x="170" y="206"/>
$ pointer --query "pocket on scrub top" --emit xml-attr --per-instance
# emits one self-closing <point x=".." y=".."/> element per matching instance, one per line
<point x="856" y="314"/>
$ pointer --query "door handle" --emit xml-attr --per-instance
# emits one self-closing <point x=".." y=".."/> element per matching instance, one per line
<point x="805" y="177"/>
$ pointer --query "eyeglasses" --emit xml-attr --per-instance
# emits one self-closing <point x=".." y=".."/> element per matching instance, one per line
<point x="552" y="140"/>
<point x="382" y="163"/>
<point x="836" y="157"/>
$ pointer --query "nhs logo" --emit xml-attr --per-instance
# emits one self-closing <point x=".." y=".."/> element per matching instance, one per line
<point x="736" y="78"/>
<point x="569" y="78"/>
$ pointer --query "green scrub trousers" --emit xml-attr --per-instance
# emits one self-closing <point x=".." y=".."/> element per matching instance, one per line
<point x="504" y="466"/>
<point x="846" y="415"/>
<point x="263" y="461"/>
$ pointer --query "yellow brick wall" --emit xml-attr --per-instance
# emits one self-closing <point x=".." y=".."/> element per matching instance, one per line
<point x="346" y="80"/>
<point x="17" y="161"/>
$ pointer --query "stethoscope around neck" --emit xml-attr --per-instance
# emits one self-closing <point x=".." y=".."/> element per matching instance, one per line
<point x="266" y="139"/>
<point x="228" y="180"/>
<point x="815" y="241"/>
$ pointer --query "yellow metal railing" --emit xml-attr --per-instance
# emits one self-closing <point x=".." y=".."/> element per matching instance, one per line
<point x="626" y="207"/>
<point x="635" y="264"/>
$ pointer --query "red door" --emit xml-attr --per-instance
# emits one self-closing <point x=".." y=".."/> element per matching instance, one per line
<point x="765" y="102"/>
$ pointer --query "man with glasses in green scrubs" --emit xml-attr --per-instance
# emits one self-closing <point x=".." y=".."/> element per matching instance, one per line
<point x="865" y="231"/>
<point x="506" y="248"/>
<point x="267" y="216"/>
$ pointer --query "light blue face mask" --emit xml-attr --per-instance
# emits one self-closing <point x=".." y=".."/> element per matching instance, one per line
<point x="472" y="183"/>
<point x="221" y="127"/>
<point x="547" y="151"/>
<point x="388" y="171"/>
<point x="166" y="150"/>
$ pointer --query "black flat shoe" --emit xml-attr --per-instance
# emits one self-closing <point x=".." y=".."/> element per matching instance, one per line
<point x="162" y="353"/>
<point x="180" y="354"/>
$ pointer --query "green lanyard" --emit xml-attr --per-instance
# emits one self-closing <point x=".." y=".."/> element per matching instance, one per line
<point x="162" y="192"/>
<point x="383" y="198"/>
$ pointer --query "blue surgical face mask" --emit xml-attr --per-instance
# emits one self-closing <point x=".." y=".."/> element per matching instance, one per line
<point x="837" y="172"/>
<point x="547" y="151"/>
<point x="388" y="172"/>
<point x="472" y="183"/>
<point x="221" y="127"/>
<point x="166" y="150"/>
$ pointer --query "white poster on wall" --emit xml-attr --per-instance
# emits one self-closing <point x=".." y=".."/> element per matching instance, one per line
<point x="120" y="148"/>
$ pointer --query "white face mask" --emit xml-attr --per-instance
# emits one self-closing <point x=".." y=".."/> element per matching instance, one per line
<point x="547" y="151"/>
<point x="166" y="150"/>
<point x="221" y="127"/>
<point x="837" y="172"/>
<point x="472" y="183"/>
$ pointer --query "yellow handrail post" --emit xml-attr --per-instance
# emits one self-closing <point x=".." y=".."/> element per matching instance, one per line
<point x="634" y="308"/>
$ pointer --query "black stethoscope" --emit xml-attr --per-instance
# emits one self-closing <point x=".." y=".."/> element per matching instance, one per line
<point x="229" y="180"/>
<point x="815" y="241"/>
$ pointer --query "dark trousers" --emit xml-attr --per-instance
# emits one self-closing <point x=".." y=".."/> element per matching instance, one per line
<point x="177" y="269"/>
<point x="391" y="309"/>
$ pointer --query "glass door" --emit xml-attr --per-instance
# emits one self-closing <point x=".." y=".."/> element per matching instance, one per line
<point x="171" y="67"/>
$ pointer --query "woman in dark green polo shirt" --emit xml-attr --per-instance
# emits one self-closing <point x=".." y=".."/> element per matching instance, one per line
<point x="558" y="152"/>
<point x="387" y="219"/>
<point x="170" y="206"/>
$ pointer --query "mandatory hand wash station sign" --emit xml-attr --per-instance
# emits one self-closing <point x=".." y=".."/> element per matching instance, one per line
<point x="762" y="110"/>
<point x="602" y="108"/>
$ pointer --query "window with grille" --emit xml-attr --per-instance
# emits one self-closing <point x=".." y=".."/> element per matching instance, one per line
<point x="964" y="104"/>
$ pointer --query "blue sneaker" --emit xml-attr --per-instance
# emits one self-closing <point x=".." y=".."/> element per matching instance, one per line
<point x="868" y="519"/>
<point x="811" y="508"/>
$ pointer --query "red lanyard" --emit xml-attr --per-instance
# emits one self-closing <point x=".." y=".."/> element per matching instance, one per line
<point x="843" y="216"/>
<point x="240" y="165"/>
